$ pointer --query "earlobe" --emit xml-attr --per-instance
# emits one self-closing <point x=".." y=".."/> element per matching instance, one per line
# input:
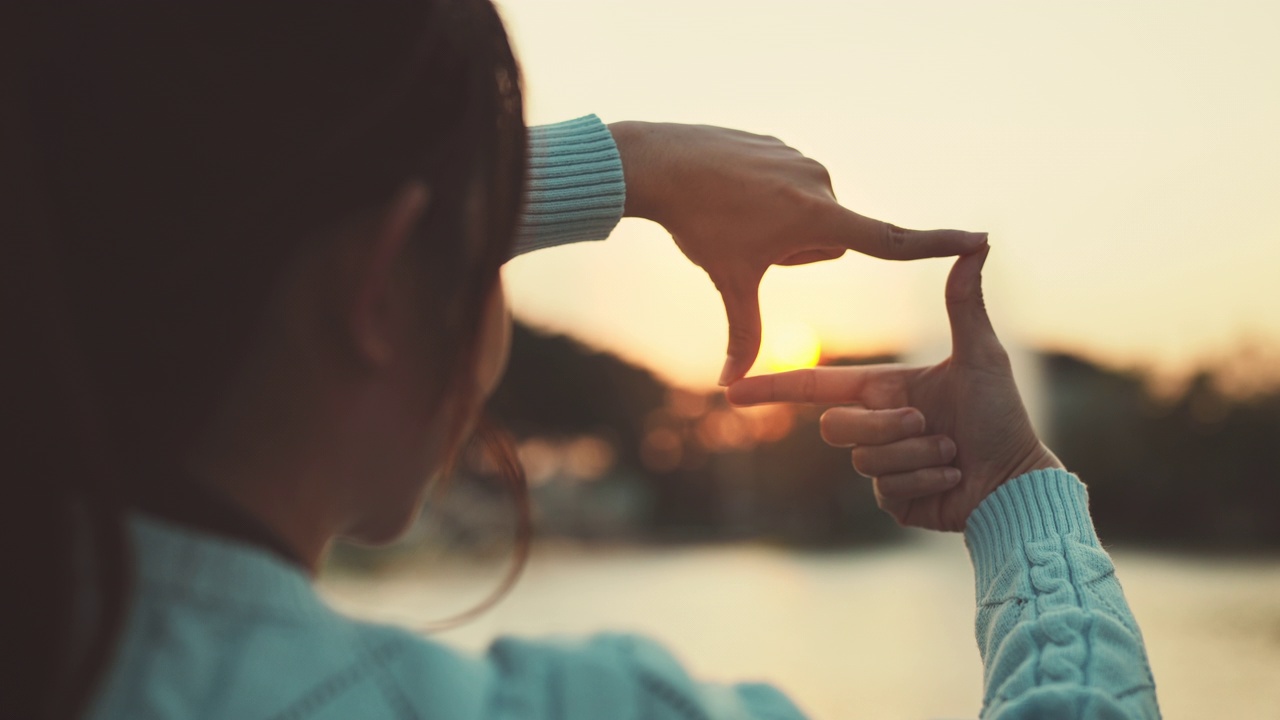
<point x="371" y="314"/>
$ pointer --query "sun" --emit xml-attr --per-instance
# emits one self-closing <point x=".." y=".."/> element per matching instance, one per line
<point x="790" y="347"/>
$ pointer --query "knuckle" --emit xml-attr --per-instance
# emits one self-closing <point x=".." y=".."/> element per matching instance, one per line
<point x="996" y="356"/>
<point x="990" y="359"/>
<point x="944" y="450"/>
<point x="1000" y="354"/>
<point x="894" y="240"/>
<point x="881" y="501"/>
<point x="800" y="198"/>
<point x="827" y="427"/>
<point x="932" y="480"/>
<point x="804" y="199"/>
<point x="891" y="490"/>
<point x="819" y="171"/>
<point x="741" y="335"/>
<point x="888" y="428"/>
<point x="862" y="462"/>
<point x="807" y="386"/>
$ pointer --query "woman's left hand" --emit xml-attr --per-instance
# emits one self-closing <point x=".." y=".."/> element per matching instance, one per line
<point x="737" y="203"/>
<point x="937" y="440"/>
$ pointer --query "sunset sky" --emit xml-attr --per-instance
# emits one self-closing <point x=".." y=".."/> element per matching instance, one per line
<point x="1125" y="158"/>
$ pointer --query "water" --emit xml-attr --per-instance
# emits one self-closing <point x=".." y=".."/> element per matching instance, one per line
<point x="885" y="633"/>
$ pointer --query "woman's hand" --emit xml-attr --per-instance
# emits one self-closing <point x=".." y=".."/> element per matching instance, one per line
<point x="937" y="440"/>
<point x="737" y="203"/>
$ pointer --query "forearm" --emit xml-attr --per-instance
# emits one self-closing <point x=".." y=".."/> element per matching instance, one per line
<point x="1056" y="635"/>
<point x="574" y="189"/>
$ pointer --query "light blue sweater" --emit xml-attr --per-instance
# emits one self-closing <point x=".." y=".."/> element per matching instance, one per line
<point x="219" y="629"/>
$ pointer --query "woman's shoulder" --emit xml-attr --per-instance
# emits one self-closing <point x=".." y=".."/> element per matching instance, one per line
<point x="221" y="629"/>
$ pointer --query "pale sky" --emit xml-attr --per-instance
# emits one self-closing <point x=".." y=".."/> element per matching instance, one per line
<point x="1124" y="156"/>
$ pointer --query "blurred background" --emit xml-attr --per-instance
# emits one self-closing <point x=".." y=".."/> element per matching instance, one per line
<point x="1124" y="157"/>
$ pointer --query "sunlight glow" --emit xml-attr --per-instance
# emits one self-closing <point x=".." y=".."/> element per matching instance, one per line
<point x="790" y="347"/>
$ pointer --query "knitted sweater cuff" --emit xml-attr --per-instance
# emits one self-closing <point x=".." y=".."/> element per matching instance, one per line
<point x="1038" y="505"/>
<point x="574" y="188"/>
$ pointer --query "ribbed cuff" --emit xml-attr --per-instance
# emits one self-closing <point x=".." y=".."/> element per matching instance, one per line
<point x="575" y="189"/>
<point x="1036" y="506"/>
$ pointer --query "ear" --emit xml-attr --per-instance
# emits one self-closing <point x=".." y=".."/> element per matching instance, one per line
<point x="371" y="310"/>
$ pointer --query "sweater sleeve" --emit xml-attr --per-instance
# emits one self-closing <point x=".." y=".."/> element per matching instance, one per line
<point x="574" y="188"/>
<point x="1056" y="635"/>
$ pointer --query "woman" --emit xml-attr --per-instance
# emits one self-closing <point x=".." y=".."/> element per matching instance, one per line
<point x="253" y="304"/>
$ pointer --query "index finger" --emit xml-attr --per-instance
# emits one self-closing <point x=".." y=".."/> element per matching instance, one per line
<point x="823" y="385"/>
<point x="890" y="242"/>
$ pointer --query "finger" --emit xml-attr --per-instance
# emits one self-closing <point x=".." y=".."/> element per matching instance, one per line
<point x="898" y="509"/>
<point x="883" y="240"/>
<point x="740" y="291"/>
<point x="903" y="456"/>
<point x="972" y="336"/>
<point x="828" y="385"/>
<point x="900" y="487"/>
<point x="848" y="426"/>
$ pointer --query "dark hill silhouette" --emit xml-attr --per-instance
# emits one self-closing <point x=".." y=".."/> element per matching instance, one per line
<point x="555" y="385"/>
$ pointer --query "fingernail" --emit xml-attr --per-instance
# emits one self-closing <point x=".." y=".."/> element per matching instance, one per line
<point x="950" y="475"/>
<point x="947" y="448"/>
<point x="728" y="374"/>
<point x="977" y="239"/>
<point x="912" y="423"/>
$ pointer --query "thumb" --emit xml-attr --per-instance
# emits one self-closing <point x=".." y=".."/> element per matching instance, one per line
<point x="741" y="294"/>
<point x="972" y="336"/>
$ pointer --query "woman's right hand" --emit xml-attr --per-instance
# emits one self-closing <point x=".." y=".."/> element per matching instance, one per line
<point x="936" y="440"/>
<point x="736" y="203"/>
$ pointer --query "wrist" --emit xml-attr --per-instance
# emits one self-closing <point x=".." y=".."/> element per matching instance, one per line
<point x="1038" y="457"/>
<point x="636" y="148"/>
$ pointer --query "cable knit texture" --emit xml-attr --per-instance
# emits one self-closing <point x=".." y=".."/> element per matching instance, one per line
<point x="575" y="189"/>
<point x="1055" y="632"/>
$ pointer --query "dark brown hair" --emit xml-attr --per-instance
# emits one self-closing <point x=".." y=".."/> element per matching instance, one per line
<point x="161" y="163"/>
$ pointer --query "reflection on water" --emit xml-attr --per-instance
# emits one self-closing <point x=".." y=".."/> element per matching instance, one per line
<point x="884" y="633"/>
